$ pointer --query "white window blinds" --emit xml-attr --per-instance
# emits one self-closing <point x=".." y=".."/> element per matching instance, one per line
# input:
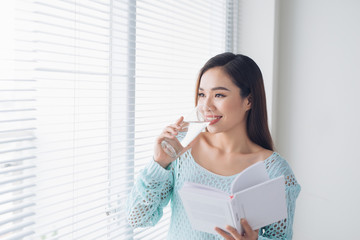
<point x="174" y="39"/>
<point x="17" y="133"/>
<point x="85" y="87"/>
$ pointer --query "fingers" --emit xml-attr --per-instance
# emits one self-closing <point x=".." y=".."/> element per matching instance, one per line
<point x="245" y="226"/>
<point x="170" y="131"/>
<point x="224" y="234"/>
<point x="248" y="230"/>
<point x="174" y="128"/>
<point x="233" y="232"/>
<point x="179" y="121"/>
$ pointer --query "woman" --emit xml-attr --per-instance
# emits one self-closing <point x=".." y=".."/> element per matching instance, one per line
<point x="232" y="86"/>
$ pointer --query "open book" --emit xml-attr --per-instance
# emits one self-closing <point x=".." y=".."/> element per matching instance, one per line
<point x="253" y="196"/>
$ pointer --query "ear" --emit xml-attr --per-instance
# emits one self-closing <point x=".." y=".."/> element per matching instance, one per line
<point x="249" y="102"/>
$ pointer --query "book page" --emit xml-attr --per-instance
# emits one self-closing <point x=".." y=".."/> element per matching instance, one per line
<point x="249" y="177"/>
<point x="262" y="204"/>
<point x="205" y="208"/>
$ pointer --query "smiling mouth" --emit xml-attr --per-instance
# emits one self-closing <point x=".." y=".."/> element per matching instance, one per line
<point x="214" y="120"/>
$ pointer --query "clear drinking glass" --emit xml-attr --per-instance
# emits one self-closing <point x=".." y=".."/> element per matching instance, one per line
<point x="193" y="124"/>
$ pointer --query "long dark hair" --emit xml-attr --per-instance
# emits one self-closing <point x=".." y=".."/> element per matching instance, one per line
<point x="245" y="74"/>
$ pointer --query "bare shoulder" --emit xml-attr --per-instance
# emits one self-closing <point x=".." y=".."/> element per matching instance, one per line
<point x="265" y="153"/>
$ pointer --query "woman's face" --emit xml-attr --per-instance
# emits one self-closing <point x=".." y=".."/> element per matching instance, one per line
<point x="218" y="92"/>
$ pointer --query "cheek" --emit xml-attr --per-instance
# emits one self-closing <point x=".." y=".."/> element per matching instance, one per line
<point x="231" y="107"/>
<point x="233" y="110"/>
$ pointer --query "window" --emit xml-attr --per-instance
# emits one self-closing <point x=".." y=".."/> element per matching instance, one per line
<point x="85" y="87"/>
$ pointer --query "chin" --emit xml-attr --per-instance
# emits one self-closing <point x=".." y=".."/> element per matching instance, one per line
<point x="212" y="129"/>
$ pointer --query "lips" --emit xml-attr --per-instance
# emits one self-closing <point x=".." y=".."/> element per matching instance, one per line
<point x="213" y="119"/>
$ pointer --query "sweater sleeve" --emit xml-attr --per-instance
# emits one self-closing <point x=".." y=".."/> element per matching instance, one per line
<point x="283" y="229"/>
<point x="149" y="195"/>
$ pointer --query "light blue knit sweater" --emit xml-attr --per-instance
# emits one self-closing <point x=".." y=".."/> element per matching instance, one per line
<point x="156" y="186"/>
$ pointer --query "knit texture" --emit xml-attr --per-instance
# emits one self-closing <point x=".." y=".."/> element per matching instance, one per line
<point x="156" y="186"/>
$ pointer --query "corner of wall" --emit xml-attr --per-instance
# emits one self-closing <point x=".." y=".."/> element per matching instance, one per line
<point x="258" y="36"/>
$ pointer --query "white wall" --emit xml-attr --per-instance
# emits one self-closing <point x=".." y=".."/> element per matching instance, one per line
<point x="257" y="38"/>
<point x="318" y="116"/>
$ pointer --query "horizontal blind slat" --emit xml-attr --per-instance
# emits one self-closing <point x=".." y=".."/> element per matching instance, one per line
<point x="19" y="207"/>
<point x="186" y="12"/>
<point x="16" y="228"/>
<point x="18" y="140"/>
<point x="19" y="198"/>
<point x="16" y="218"/>
<point x="17" y="179"/>
<point x="70" y="10"/>
<point x="15" y="189"/>
<point x="21" y="235"/>
<point x="16" y="169"/>
<point x="17" y="159"/>
<point x="125" y="189"/>
<point x="82" y="180"/>
<point x="69" y="201"/>
<point x="81" y="220"/>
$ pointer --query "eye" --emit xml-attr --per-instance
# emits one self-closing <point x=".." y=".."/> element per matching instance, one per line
<point x="219" y="95"/>
<point x="201" y="95"/>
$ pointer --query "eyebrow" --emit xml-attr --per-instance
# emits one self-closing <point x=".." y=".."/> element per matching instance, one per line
<point x="216" y="88"/>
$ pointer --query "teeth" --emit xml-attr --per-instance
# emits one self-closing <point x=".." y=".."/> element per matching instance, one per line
<point x="211" y="119"/>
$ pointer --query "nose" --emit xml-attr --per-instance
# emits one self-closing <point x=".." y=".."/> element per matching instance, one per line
<point x="204" y="112"/>
<point x="208" y="104"/>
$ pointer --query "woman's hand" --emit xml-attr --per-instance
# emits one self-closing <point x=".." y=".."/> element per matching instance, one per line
<point x="169" y="132"/>
<point x="234" y="235"/>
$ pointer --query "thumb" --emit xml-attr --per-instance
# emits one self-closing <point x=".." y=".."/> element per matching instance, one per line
<point x="179" y="121"/>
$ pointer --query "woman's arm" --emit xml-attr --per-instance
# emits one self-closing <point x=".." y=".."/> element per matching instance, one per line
<point x="153" y="187"/>
<point x="283" y="228"/>
<point x="150" y="194"/>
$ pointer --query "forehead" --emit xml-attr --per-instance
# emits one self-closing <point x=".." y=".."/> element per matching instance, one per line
<point x="216" y="77"/>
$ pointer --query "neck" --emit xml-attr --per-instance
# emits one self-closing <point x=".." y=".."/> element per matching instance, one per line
<point x="234" y="141"/>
